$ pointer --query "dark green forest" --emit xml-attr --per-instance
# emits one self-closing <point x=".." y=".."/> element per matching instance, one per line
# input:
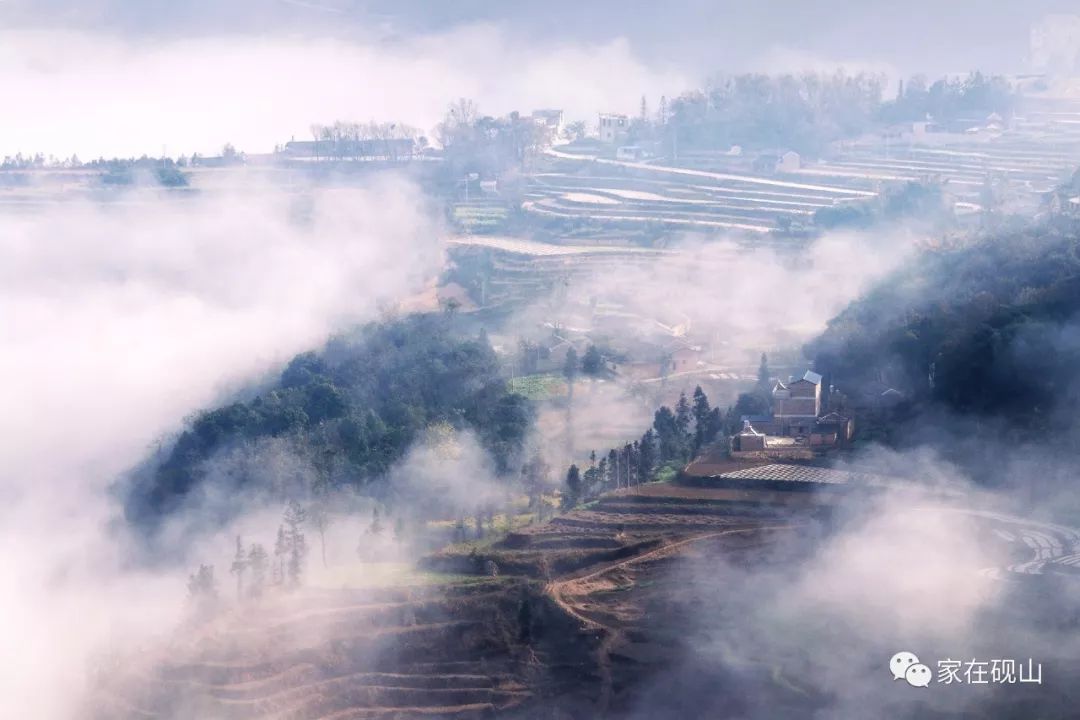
<point x="987" y="330"/>
<point x="351" y="410"/>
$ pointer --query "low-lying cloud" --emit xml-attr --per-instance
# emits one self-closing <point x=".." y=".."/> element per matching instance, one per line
<point x="195" y="95"/>
<point x="117" y="321"/>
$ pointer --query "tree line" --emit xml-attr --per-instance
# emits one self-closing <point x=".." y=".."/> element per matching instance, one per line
<point x="487" y="145"/>
<point x="808" y="111"/>
<point x="359" y="141"/>
<point x="677" y="436"/>
<point x="257" y="570"/>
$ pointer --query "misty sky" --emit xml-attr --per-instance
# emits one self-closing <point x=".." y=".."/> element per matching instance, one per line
<point x="919" y="34"/>
<point x="148" y="75"/>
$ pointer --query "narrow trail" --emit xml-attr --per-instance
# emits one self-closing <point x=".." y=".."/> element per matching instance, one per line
<point x="559" y="590"/>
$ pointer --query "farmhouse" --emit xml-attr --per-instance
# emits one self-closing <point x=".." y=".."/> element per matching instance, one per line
<point x="613" y="127"/>
<point x="551" y="120"/>
<point x="797" y="404"/>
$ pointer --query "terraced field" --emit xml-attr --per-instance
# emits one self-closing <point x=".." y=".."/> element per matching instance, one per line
<point x="399" y="652"/>
<point x="632" y="195"/>
<point x="454" y="650"/>
<point x="714" y="192"/>
<point x="595" y="613"/>
<point x="1028" y="165"/>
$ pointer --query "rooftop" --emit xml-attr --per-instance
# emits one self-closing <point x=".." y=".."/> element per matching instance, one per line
<point x="798" y="474"/>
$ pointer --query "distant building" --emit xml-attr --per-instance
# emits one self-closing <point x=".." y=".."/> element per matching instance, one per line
<point x="797" y="404"/>
<point x="551" y="120"/>
<point x="789" y="162"/>
<point x="770" y="163"/>
<point x="874" y="395"/>
<point x="613" y="128"/>
<point x="995" y="122"/>
<point x="1055" y="44"/>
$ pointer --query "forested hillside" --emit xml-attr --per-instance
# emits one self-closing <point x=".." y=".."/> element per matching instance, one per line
<point x="988" y="330"/>
<point x="349" y="411"/>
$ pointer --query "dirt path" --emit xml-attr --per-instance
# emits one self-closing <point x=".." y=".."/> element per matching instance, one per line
<point x="560" y="589"/>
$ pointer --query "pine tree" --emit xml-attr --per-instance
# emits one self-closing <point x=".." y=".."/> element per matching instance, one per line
<point x="281" y="549"/>
<point x="592" y="362"/>
<point x="257" y="560"/>
<point x="701" y="412"/>
<point x="295" y="516"/>
<point x="647" y="456"/>
<point x="239" y="565"/>
<point x="629" y="464"/>
<point x="570" y="369"/>
<point x="376" y="526"/>
<point x="714" y="424"/>
<point x="590" y="479"/>
<point x="667" y="434"/>
<point x="535" y="475"/>
<point x="318" y="513"/>
<point x="682" y="415"/>
<point x="573" y="487"/>
<point x="201" y="584"/>
<point x="613" y="469"/>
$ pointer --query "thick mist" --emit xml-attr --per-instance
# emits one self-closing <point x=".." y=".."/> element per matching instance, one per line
<point x="695" y="35"/>
<point x="119" y="320"/>
<point x="196" y="93"/>
<point x="806" y="626"/>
